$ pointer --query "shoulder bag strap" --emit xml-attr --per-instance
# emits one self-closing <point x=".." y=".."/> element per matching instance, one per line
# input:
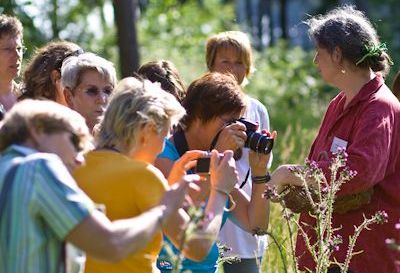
<point x="180" y="142"/>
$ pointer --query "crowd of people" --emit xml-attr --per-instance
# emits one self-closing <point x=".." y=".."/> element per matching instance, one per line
<point x="108" y="167"/>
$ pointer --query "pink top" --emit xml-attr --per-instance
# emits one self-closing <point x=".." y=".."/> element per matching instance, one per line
<point x="369" y="128"/>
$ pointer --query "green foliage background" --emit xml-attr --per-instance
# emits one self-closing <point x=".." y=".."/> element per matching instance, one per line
<point x="286" y="80"/>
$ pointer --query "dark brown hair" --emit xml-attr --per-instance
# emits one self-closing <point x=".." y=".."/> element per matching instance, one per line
<point x="212" y="95"/>
<point x="10" y="25"/>
<point x="351" y="31"/>
<point x="37" y="76"/>
<point x="396" y="85"/>
<point x="166" y="74"/>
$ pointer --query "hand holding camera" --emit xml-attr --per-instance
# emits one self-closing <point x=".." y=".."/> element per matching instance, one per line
<point x="223" y="173"/>
<point x="259" y="161"/>
<point x="243" y="133"/>
<point x="231" y="137"/>
<point x="185" y="163"/>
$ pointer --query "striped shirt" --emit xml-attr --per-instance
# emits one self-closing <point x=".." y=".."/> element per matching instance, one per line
<point x="44" y="204"/>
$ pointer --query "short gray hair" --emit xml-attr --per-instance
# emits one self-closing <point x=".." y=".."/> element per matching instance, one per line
<point x="134" y="104"/>
<point x="73" y="68"/>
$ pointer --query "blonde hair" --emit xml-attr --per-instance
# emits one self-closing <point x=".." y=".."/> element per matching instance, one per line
<point x="134" y="104"/>
<point x="45" y="116"/>
<point x="230" y="39"/>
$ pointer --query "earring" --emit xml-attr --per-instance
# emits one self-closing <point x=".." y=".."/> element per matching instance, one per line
<point x="343" y="71"/>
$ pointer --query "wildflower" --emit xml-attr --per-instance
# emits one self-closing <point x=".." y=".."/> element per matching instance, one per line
<point x="288" y="215"/>
<point x="270" y="192"/>
<point x="333" y="244"/>
<point x="391" y="243"/>
<point x="380" y="217"/>
<point x="259" y="231"/>
<point x="223" y="248"/>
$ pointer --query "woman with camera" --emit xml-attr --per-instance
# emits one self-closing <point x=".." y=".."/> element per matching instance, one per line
<point x="363" y="119"/>
<point x="120" y="173"/>
<point x="214" y="103"/>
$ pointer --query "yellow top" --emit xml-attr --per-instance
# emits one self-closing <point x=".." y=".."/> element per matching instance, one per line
<point x="126" y="188"/>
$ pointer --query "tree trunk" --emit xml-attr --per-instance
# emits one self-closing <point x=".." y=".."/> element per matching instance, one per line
<point x="283" y="19"/>
<point x="125" y="20"/>
<point x="8" y="7"/>
<point x="54" y="19"/>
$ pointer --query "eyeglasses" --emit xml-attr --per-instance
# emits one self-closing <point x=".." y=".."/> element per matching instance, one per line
<point x="10" y="50"/>
<point x="94" y="91"/>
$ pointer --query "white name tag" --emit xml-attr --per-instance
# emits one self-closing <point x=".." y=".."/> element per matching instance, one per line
<point x="338" y="143"/>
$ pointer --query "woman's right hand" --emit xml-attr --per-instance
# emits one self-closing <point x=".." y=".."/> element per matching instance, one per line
<point x="177" y="193"/>
<point x="232" y="137"/>
<point x="283" y="176"/>
<point x="183" y="164"/>
<point x="223" y="173"/>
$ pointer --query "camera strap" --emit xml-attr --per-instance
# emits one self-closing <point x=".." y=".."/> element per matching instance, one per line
<point x="245" y="180"/>
<point x="215" y="139"/>
<point x="180" y="141"/>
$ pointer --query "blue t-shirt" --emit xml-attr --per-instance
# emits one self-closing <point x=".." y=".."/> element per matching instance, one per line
<point x="209" y="264"/>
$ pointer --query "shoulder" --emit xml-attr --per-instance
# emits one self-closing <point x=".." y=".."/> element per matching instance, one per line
<point x="255" y="105"/>
<point x="49" y="165"/>
<point x="384" y="96"/>
<point x="170" y="152"/>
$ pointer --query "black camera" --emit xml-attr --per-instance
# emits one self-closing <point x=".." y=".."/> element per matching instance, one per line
<point x="256" y="141"/>
<point x="203" y="163"/>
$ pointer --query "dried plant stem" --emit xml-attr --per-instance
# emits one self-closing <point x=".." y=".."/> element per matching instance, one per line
<point x="292" y="246"/>
<point x="279" y="249"/>
<point x="353" y="240"/>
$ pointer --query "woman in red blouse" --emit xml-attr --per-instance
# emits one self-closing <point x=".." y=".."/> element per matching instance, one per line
<point x="364" y="119"/>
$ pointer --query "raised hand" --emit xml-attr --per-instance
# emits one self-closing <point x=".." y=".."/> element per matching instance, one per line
<point x="259" y="161"/>
<point x="232" y="137"/>
<point x="223" y="173"/>
<point x="174" y="197"/>
<point x="183" y="164"/>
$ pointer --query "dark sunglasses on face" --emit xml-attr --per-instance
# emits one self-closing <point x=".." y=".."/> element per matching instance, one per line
<point x="94" y="91"/>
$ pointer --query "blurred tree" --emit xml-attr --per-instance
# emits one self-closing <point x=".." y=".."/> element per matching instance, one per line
<point x="283" y="19"/>
<point x="125" y="20"/>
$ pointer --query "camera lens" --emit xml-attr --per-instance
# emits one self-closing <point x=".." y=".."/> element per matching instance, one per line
<point x="259" y="143"/>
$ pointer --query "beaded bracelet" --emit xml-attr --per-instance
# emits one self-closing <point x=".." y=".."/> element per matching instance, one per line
<point x="261" y="179"/>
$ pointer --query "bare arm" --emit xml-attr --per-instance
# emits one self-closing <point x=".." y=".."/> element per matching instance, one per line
<point x="223" y="178"/>
<point x="113" y="241"/>
<point x="253" y="215"/>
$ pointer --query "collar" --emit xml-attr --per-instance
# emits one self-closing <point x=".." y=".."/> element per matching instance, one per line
<point x="19" y="150"/>
<point x="367" y="90"/>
